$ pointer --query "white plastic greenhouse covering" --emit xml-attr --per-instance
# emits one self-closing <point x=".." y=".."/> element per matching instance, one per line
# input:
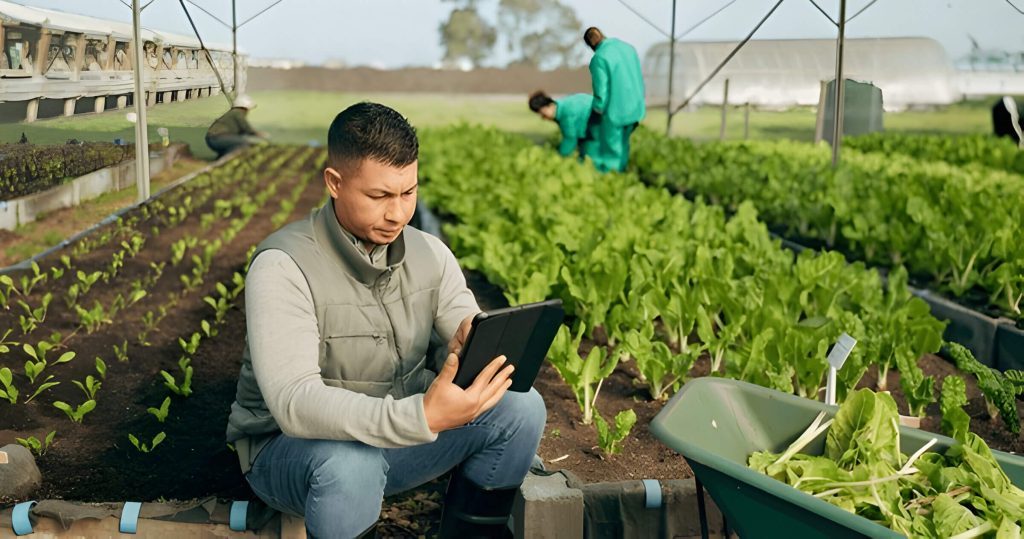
<point x="787" y="72"/>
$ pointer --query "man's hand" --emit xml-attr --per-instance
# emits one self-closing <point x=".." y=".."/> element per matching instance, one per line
<point x="447" y="405"/>
<point x="459" y="339"/>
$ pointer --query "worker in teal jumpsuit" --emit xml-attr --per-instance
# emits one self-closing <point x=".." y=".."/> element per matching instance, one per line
<point x="618" y="97"/>
<point x="573" y="114"/>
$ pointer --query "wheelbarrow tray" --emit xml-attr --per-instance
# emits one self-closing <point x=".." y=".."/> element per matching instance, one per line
<point x="716" y="423"/>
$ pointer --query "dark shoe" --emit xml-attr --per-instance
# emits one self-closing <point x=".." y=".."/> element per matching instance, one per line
<point x="471" y="511"/>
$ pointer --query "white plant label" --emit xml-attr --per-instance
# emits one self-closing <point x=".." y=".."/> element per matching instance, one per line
<point x="841" y="351"/>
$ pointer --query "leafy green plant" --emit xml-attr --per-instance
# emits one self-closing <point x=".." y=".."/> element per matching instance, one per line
<point x="29" y="282"/>
<point x="6" y="288"/>
<point x="133" y="245"/>
<point x="38" y="447"/>
<point x="33" y="317"/>
<point x="121" y="351"/>
<point x="142" y="446"/>
<point x="184" y="388"/>
<point x="5" y="345"/>
<point x="38" y="363"/>
<point x="90" y="386"/>
<point x="662" y="369"/>
<point x="955" y="421"/>
<point x="86" y="280"/>
<point x="999" y="390"/>
<point x="180" y="247"/>
<point x="584" y="375"/>
<point x="93" y="319"/>
<point x="610" y="437"/>
<point x="101" y="368"/>
<point x="208" y="329"/>
<point x="76" y="413"/>
<point x="161" y="412"/>
<point x="191" y="346"/>
<point x="8" y="392"/>
<point x="46" y="384"/>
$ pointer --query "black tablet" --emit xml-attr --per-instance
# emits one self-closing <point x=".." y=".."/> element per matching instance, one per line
<point x="522" y="334"/>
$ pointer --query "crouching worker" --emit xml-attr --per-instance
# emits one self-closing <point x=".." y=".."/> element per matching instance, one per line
<point x="573" y="115"/>
<point x="338" y="404"/>
<point x="232" y="130"/>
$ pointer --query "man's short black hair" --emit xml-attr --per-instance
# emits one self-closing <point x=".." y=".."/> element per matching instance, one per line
<point x="593" y="37"/>
<point x="371" y="131"/>
<point x="539" y="100"/>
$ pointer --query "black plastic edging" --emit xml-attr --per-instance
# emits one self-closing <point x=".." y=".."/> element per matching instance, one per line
<point x="995" y="342"/>
<point x="112" y="218"/>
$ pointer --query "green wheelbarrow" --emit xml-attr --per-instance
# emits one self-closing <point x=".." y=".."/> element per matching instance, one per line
<point x="717" y="423"/>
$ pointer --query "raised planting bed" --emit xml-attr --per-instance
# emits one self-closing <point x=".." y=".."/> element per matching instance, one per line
<point x="30" y="168"/>
<point x="71" y="191"/>
<point x="953" y="228"/>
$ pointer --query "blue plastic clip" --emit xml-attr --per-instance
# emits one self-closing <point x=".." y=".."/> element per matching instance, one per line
<point x="653" y="491"/>
<point x="237" y="517"/>
<point x="130" y="517"/>
<point x="20" y="521"/>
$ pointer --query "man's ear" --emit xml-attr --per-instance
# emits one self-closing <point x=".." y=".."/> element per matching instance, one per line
<point x="332" y="179"/>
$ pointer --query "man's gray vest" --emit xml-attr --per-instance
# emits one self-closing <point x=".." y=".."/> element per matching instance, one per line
<point x="375" y="324"/>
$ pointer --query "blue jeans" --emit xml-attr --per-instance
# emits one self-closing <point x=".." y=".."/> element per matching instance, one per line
<point x="339" y="486"/>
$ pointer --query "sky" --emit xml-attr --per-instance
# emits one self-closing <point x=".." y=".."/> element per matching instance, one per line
<point x="397" y="33"/>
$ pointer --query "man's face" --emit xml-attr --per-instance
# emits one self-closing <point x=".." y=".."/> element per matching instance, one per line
<point x="374" y="201"/>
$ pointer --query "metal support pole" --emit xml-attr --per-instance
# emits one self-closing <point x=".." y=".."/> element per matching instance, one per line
<point x="746" y="120"/>
<point x="671" y="72"/>
<point x="234" y="48"/>
<point x="141" y="134"/>
<point x="725" y="108"/>
<point x="840" y="98"/>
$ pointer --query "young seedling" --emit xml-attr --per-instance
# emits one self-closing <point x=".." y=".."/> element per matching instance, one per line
<point x="33" y="317"/>
<point x="5" y="344"/>
<point x="89" y="387"/>
<point x="208" y="329"/>
<point x="76" y="413"/>
<point x="38" y="363"/>
<point x="116" y="263"/>
<point x="191" y="345"/>
<point x="101" y="368"/>
<point x="8" y="392"/>
<point x="47" y="384"/>
<point x="220" y="305"/>
<point x="56" y="272"/>
<point x="134" y="245"/>
<point x="94" y="318"/>
<point x="86" y="280"/>
<point x="121" y="352"/>
<point x="161" y="412"/>
<point x="34" y="445"/>
<point x="185" y="388"/>
<point x="610" y="437"/>
<point x="6" y="288"/>
<point x="142" y="447"/>
<point x="29" y="282"/>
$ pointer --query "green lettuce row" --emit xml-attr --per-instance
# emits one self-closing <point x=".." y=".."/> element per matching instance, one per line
<point x="962" y="150"/>
<point x="662" y="280"/>
<point x="954" y="227"/>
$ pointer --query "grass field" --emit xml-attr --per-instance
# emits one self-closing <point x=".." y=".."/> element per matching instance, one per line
<point x="302" y="117"/>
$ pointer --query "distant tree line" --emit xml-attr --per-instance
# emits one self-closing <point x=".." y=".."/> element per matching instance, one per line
<point x="536" y="33"/>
